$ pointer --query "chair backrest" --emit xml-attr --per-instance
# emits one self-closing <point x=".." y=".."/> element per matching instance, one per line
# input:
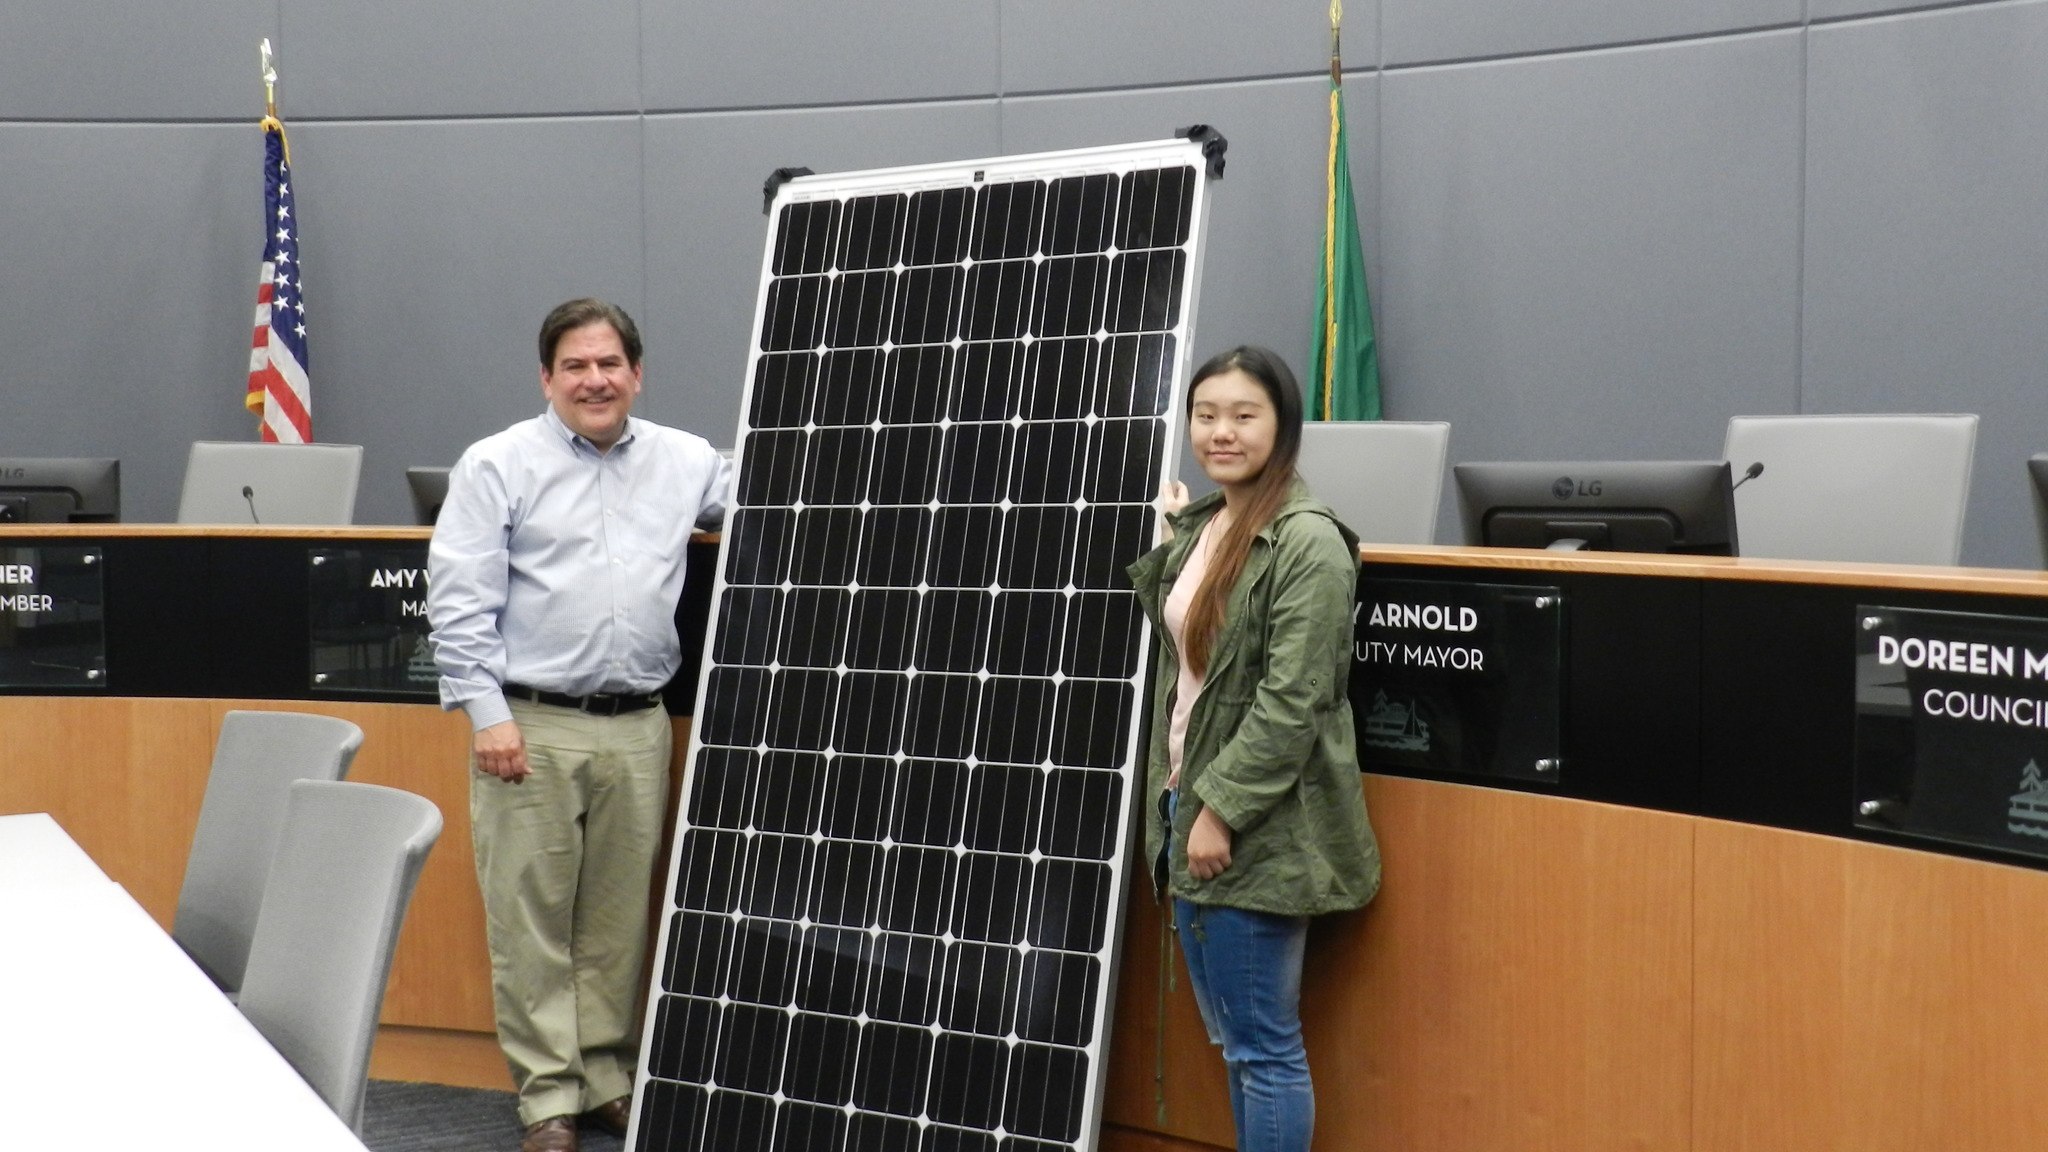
<point x="1886" y="488"/>
<point x="345" y="870"/>
<point x="238" y="482"/>
<point x="2037" y="467"/>
<point x="429" y="488"/>
<point x="1384" y="478"/>
<point x="255" y="760"/>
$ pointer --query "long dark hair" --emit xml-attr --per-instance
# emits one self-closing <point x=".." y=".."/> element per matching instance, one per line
<point x="1268" y="492"/>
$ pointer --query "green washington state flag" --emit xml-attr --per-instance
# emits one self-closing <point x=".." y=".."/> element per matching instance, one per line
<point x="1343" y="368"/>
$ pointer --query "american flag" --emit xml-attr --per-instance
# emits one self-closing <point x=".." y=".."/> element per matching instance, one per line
<point x="279" y="391"/>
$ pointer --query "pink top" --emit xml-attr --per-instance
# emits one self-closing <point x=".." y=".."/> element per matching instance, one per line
<point x="1189" y="685"/>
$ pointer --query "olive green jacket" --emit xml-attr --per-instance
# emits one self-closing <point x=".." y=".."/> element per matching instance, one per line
<point x="1270" y="742"/>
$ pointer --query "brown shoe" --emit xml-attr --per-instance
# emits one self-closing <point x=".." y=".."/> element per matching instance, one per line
<point x="554" y="1134"/>
<point x="612" y="1117"/>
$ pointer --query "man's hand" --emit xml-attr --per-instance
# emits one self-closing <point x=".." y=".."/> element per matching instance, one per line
<point x="501" y="751"/>
<point x="1208" y="845"/>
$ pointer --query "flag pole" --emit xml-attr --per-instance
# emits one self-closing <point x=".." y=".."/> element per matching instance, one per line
<point x="1330" y="212"/>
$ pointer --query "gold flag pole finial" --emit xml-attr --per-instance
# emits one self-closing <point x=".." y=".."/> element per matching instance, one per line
<point x="270" y="120"/>
<point x="1336" y="21"/>
<point x="270" y="81"/>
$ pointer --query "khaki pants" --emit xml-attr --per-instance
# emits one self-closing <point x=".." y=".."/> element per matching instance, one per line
<point x="565" y="860"/>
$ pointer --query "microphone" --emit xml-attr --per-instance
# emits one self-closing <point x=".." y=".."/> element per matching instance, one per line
<point x="249" y="494"/>
<point x="1752" y="472"/>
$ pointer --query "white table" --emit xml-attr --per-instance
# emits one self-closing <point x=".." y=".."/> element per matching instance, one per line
<point x="111" y="1038"/>
<point x="36" y="853"/>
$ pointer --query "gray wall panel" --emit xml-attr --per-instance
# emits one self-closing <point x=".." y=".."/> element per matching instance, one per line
<point x="131" y="279"/>
<point x="136" y="59"/>
<point x="769" y="53"/>
<point x="1927" y="238"/>
<point x="354" y="58"/>
<point x="1064" y="45"/>
<point x="1836" y="9"/>
<point x="1593" y="256"/>
<point x="705" y="229"/>
<point x="1421" y="30"/>
<point x="432" y="252"/>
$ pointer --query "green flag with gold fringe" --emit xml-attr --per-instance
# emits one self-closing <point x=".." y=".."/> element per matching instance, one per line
<point x="1344" y="368"/>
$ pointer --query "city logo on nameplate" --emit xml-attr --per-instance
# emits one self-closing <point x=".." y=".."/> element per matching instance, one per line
<point x="421" y="669"/>
<point x="893" y="907"/>
<point x="2028" y="814"/>
<point x="1394" y="723"/>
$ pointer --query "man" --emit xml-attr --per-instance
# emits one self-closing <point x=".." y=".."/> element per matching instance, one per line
<point x="556" y="564"/>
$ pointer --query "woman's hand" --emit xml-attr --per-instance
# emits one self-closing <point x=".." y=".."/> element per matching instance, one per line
<point x="1208" y="845"/>
<point x="1173" y="496"/>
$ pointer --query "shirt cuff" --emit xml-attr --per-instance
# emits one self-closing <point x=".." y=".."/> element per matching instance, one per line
<point x="487" y="710"/>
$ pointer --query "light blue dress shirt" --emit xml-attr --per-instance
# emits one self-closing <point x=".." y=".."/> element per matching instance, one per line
<point x="558" y="567"/>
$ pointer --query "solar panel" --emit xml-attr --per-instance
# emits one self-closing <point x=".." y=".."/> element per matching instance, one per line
<point x="899" y="868"/>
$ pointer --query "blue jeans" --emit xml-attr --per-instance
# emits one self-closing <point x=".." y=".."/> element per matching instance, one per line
<point x="1245" y="968"/>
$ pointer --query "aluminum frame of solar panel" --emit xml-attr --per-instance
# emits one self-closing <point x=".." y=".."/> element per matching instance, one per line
<point x="962" y="393"/>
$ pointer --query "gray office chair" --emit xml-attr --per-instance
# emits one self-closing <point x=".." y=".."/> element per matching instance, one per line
<point x="346" y="865"/>
<point x="255" y="760"/>
<point x="246" y="482"/>
<point x="429" y="488"/>
<point x="1889" y="488"/>
<point x="1384" y="478"/>
<point x="2037" y="467"/>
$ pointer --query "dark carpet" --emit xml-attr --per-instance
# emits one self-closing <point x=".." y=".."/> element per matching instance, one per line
<point x="400" y="1117"/>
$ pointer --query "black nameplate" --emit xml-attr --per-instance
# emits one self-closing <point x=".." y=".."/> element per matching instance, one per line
<point x="368" y="611"/>
<point x="1952" y="726"/>
<point x="1451" y="676"/>
<point x="53" y="630"/>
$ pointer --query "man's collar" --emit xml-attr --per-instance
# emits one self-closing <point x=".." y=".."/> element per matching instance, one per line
<point x="574" y="440"/>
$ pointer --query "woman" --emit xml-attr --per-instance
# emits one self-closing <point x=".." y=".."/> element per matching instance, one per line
<point x="1261" y="823"/>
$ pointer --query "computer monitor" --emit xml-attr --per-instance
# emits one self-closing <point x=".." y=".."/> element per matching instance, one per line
<point x="60" y="490"/>
<point x="2037" y="467"/>
<point x="1620" y="506"/>
<point x="238" y="482"/>
<point x="429" y="491"/>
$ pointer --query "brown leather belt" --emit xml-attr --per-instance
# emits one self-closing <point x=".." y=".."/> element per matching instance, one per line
<point x="597" y="703"/>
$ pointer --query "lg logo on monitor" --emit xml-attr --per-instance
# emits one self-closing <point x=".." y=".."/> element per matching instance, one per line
<point x="1564" y="488"/>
